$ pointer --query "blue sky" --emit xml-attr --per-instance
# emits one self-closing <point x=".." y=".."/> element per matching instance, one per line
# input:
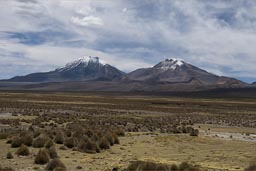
<point x="40" y="35"/>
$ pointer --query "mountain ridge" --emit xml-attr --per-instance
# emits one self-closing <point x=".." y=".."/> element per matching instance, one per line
<point x="83" y="69"/>
<point x="174" y="71"/>
<point x="92" y="74"/>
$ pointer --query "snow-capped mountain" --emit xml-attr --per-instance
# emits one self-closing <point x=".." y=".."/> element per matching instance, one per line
<point x="174" y="71"/>
<point x="92" y="74"/>
<point x="169" y="64"/>
<point x="83" y="69"/>
<point x="85" y="61"/>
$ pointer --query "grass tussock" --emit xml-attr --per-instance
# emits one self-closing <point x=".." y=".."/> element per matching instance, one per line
<point x="16" y="142"/>
<point x="55" y="164"/>
<point x="9" y="155"/>
<point x="152" y="166"/>
<point x="40" y="141"/>
<point x="52" y="152"/>
<point x="23" y="150"/>
<point x="251" y="167"/>
<point x="42" y="157"/>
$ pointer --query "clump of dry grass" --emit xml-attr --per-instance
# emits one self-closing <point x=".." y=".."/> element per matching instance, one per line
<point x="148" y="166"/>
<point x="110" y="138"/>
<point x="88" y="147"/>
<point x="27" y="139"/>
<point x="194" y="132"/>
<point x="49" y="143"/>
<point x="59" y="138"/>
<point x="6" y="168"/>
<point x="40" y="141"/>
<point x="251" y="167"/>
<point x="3" y="135"/>
<point x="52" y="152"/>
<point x="16" y="142"/>
<point x="42" y="157"/>
<point x="184" y="166"/>
<point x="70" y="142"/>
<point x="23" y="150"/>
<point x="9" y="155"/>
<point x="104" y="144"/>
<point x="55" y="164"/>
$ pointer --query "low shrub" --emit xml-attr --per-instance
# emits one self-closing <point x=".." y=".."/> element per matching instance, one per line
<point x="151" y="166"/>
<point x="42" y="157"/>
<point x="6" y="168"/>
<point x="59" y="138"/>
<point x="110" y="138"/>
<point x="104" y="144"/>
<point x="37" y="133"/>
<point x="147" y="166"/>
<point x="52" y="152"/>
<point x="69" y="142"/>
<point x="184" y="166"/>
<point x="55" y="164"/>
<point x="27" y="139"/>
<point x="3" y="135"/>
<point x="174" y="167"/>
<point x="16" y="142"/>
<point x="49" y="143"/>
<point x="89" y="147"/>
<point x="40" y="141"/>
<point x="120" y="132"/>
<point x="194" y="132"/>
<point x="23" y="150"/>
<point x="116" y="139"/>
<point x="251" y="167"/>
<point x="9" y="155"/>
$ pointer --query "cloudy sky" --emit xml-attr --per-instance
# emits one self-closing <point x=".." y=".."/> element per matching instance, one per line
<point x="40" y="35"/>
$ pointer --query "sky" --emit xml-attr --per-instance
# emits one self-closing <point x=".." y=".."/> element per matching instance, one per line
<point x="41" y="35"/>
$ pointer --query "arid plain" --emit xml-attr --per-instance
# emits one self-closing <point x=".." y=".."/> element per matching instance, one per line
<point x="93" y="132"/>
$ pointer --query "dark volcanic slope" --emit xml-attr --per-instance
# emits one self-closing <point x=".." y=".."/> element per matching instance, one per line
<point x="175" y="71"/>
<point x="84" y="69"/>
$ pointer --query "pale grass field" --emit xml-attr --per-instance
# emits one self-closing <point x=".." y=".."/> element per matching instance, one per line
<point x="208" y="152"/>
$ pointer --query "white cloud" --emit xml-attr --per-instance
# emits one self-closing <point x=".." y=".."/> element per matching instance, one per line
<point x="214" y="35"/>
<point x="86" y="21"/>
<point x="44" y="58"/>
<point x="124" y="9"/>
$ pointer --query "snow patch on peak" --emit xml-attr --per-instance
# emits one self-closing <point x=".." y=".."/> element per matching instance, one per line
<point x="87" y="59"/>
<point x="170" y="64"/>
<point x="84" y="61"/>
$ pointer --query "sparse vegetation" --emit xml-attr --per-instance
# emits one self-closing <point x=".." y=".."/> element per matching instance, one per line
<point x="147" y="166"/>
<point x="90" y="124"/>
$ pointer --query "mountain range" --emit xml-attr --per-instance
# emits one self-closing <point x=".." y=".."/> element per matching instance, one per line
<point x="91" y="74"/>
